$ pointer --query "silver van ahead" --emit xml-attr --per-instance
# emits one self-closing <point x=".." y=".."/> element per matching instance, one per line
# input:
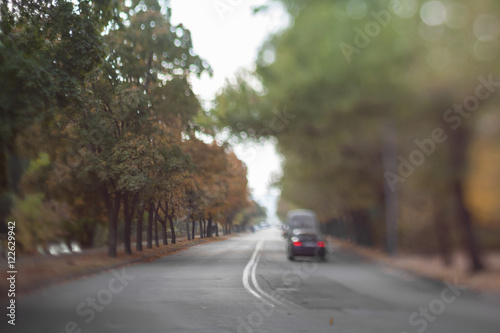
<point x="300" y="219"/>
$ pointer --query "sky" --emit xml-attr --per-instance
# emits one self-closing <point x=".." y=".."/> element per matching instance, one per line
<point x="228" y="36"/>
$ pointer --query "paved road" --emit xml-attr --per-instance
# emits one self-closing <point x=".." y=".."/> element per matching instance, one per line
<point x="246" y="284"/>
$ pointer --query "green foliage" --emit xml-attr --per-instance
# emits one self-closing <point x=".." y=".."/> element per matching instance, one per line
<point x="46" y="50"/>
<point x="40" y="62"/>
<point x="97" y="94"/>
<point x="38" y="222"/>
<point x="342" y="83"/>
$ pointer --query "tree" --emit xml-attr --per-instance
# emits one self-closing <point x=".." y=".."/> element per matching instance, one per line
<point x="104" y="88"/>
<point x="237" y="194"/>
<point x="128" y="97"/>
<point x="39" y="72"/>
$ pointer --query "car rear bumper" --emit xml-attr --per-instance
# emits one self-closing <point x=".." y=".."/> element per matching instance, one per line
<point x="308" y="251"/>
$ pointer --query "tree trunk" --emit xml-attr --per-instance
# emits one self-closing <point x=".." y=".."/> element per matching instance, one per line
<point x="188" y="234"/>
<point x="127" y="224"/>
<point x="155" y="225"/>
<point x="209" y="226"/>
<point x="163" y="222"/>
<point x="442" y="232"/>
<point x="157" y="240"/>
<point x="88" y="235"/>
<point x="171" y="221"/>
<point x="164" y="231"/>
<point x="464" y="221"/>
<point x="362" y="228"/>
<point x="113" y="225"/>
<point x="458" y="143"/>
<point x="148" y="74"/>
<point x="390" y="201"/>
<point x="201" y="228"/>
<point x="192" y="227"/>
<point x="216" y="229"/>
<point x="128" y="212"/>
<point x="149" y="231"/>
<point x="138" y="231"/>
<point x="113" y="208"/>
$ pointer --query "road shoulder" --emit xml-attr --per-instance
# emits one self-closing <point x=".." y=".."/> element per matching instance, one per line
<point x="37" y="272"/>
<point x="432" y="268"/>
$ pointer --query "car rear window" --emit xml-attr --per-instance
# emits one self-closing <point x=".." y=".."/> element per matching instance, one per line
<point x="307" y="238"/>
<point x="302" y="221"/>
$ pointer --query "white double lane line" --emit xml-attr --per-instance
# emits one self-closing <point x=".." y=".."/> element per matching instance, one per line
<point x="249" y="275"/>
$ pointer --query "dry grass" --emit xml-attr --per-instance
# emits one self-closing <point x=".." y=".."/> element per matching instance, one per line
<point x="432" y="267"/>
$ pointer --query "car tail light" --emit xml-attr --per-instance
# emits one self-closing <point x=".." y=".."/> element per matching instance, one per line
<point x="297" y="243"/>
<point x="321" y="244"/>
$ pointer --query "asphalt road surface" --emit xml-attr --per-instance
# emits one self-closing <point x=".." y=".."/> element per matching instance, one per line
<point x="246" y="284"/>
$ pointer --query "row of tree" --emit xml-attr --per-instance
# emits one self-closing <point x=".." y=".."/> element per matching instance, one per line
<point x="98" y="123"/>
<point x="385" y="100"/>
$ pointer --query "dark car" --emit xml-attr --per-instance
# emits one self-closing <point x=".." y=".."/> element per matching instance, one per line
<point x="306" y="242"/>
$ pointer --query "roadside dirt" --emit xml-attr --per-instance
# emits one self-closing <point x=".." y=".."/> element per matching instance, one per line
<point x="433" y="267"/>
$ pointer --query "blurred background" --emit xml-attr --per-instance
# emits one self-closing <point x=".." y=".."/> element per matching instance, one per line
<point x="381" y="116"/>
<point x="386" y="115"/>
